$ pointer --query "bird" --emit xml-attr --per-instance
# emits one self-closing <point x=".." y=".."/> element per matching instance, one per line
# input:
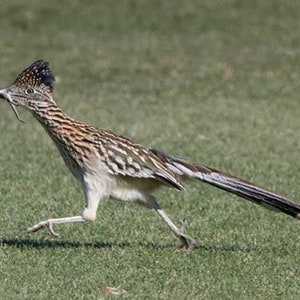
<point x="110" y="165"/>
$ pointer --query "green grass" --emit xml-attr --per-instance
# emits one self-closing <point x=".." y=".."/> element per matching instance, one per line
<point x="214" y="81"/>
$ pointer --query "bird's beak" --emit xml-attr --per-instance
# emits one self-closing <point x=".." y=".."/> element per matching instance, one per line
<point x="5" y="95"/>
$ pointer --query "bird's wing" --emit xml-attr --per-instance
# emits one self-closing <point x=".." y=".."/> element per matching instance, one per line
<point x="125" y="157"/>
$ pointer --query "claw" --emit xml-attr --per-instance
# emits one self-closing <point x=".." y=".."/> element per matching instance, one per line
<point x="183" y="223"/>
<point x="188" y="243"/>
<point x="51" y="230"/>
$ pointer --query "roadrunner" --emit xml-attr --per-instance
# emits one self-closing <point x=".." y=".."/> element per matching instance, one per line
<point x="107" y="164"/>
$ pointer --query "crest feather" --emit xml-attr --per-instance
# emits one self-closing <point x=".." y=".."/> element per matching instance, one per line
<point x="38" y="74"/>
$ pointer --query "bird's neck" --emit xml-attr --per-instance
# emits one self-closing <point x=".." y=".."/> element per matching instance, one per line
<point x="53" y="119"/>
<point x="49" y="115"/>
<point x="66" y="134"/>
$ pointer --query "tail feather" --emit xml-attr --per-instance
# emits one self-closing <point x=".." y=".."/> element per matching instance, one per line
<point x="232" y="184"/>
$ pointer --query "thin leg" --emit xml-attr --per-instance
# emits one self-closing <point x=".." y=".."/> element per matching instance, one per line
<point x="187" y="241"/>
<point x="50" y="222"/>
<point x="92" y="197"/>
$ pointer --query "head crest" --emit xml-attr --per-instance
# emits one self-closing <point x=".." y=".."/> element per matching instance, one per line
<point x="38" y="74"/>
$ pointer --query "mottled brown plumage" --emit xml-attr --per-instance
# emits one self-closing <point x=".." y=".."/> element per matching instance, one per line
<point x="107" y="164"/>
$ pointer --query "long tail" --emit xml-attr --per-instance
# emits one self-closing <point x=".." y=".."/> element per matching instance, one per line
<point x="231" y="184"/>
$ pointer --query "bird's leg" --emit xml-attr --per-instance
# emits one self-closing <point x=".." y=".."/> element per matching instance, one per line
<point x="50" y="222"/>
<point x="187" y="241"/>
<point x="92" y="199"/>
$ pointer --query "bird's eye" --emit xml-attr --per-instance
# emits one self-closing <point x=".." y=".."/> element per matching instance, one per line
<point x="29" y="91"/>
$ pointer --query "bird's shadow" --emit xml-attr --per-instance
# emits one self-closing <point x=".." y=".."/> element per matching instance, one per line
<point x="23" y="243"/>
<point x="47" y="243"/>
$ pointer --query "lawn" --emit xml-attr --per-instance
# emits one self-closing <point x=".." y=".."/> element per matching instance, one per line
<point x="213" y="81"/>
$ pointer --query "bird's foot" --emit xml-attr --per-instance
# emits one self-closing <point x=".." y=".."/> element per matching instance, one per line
<point x="187" y="242"/>
<point x="40" y="225"/>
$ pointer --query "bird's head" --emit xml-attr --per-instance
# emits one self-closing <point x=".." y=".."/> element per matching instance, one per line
<point x="32" y="89"/>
